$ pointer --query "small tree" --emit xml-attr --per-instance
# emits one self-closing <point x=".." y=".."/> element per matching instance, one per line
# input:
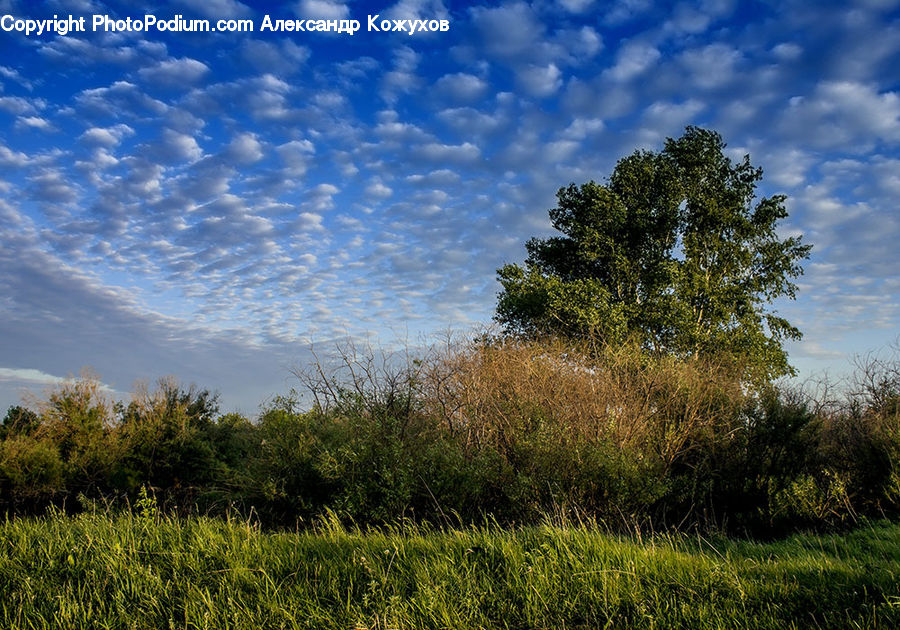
<point x="674" y="251"/>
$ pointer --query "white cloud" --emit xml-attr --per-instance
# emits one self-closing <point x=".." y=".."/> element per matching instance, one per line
<point x="664" y="119"/>
<point x="583" y="43"/>
<point x="296" y="156"/>
<point x="711" y="66"/>
<point x="182" y="72"/>
<point x="378" y="190"/>
<point x="33" y="122"/>
<point x="285" y="57"/>
<point x="402" y="78"/>
<point x="174" y="147"/>
<point x="461" y="86"/>
<point x="576" y="6"/>
<point x="633" y="60"/>
<point x="108" y="137"/>
<point x="51" y="186"/>
<point x="30" y="376"/>
<point x="308" y="222"/>
<point x="469" y="121"/>
<point x="417" y="10"/>
<point x="13" y="74"/>
<point x="844" y="114"/>
<point x="540" y="80"/>
<point x="509" y="32"/>
<point x="626" y="10"/>
<point x="459" y="153"/>
<point x="322" y="9"/>
<point x="245" y="148"/>
<point x="217" y="9"/>
<point x="787" y="51"/>
<point x="19" y="106"/>
<point x="121" y="98"/>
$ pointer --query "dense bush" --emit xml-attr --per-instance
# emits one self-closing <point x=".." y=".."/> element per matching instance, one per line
<point x="497" y="429"/>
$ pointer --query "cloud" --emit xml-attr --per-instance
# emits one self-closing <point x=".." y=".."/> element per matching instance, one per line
<point x="576" y="6"/>
<point x="712" y="66"/>
<point x="378" y="190"/>
<point x="582" y="43"/>
<point x="72" y="50"/>
<point x="13" y="74"/>
<point x="322" y="9"/>
<point x="402" y="78"/>
<point x="461" y="87"/>
<point x="108" y="136"/>
<point x="457" y="154"/>
<point x="174" y="147"/>
<point x="55" y="319"/>
<point x="121" y="98"/>
<point x="29" y="376"/>
<point x="665" y="119"/>
<point x="217" y="9"/>
<point x="417" y="10"/>
<point x="508" y="32"/>
<point x="632" y="60"/>
<point x="844" y="114"/>
<point x="33" y="122"/>
<point x="244" y="149"/>
<point x="281" y="58"/>
<point x="623" y="11"/>
<point x="296" y="156"/>
<point x="263" y="97"/>
<point x="540" y="80"/>
<point x="175" y="72"/>
<point x="51" y="186"/>
<point x="20" y="106"/>
<point x="467" y="120"/>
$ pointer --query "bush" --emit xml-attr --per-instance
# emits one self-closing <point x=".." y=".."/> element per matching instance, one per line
<point x="494" y="429"/>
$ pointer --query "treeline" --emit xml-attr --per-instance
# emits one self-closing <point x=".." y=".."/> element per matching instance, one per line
<point x="505" y="430"/>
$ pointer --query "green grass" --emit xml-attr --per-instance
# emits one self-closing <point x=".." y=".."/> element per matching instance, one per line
<point x="124" y="571"/>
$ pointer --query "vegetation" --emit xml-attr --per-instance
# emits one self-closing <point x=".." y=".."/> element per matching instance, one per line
<point x="501" y="429"/>
<point x="674" y="252"/>
<point x="149" y="571"/>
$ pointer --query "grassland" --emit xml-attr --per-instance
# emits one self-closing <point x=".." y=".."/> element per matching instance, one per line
<point x="148" y="571"/>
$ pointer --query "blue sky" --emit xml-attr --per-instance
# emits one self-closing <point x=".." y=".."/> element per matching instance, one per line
<point x="208" y="205"/>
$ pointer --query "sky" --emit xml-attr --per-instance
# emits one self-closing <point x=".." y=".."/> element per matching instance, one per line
<point x="214" y="205"/>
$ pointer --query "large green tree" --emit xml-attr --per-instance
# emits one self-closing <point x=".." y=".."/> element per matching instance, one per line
<point x="675" y="251"/>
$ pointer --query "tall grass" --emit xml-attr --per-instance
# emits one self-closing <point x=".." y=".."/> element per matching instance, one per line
<point x="150" y="571"/>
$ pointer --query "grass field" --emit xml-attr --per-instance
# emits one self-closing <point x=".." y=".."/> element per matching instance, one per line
<point x="146" y="571"/>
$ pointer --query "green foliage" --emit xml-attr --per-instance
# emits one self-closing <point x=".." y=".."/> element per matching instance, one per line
<point x="169" y="439"/>
<point x="146" y="507"/>
<point x="31" y="472"/>
<point x="675" y="252"/>
<point x="18" y="421"/>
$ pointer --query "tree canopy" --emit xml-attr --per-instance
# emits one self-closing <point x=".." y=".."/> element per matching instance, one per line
<point x="675" y="251"/>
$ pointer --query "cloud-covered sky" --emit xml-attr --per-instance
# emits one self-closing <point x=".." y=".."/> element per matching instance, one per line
<point x="209" y="204"/>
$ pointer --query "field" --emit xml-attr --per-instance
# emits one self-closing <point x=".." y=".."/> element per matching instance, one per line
<point x="145" y="570"/>
<point x="461" y="490"/>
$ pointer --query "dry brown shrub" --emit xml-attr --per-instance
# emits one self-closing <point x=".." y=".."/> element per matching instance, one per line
<point x="493" y="392"/>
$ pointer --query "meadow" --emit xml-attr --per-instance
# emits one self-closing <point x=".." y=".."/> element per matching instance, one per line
<point x="146" y="570"/>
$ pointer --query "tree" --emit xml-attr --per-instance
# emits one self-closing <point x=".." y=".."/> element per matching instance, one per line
<point x="675" y="251"/>
<point x="18" y="421"/>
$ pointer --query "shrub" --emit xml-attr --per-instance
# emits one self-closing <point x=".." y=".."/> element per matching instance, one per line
<point x="494" y="428"/>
